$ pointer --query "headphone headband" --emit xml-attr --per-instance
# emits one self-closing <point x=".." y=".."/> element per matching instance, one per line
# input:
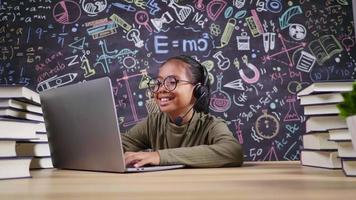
<point x="193" y="62"/>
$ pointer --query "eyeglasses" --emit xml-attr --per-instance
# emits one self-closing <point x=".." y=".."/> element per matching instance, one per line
<point x="169" y="83"/>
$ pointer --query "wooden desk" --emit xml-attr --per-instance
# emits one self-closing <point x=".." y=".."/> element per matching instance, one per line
<point x="267" y="180"/>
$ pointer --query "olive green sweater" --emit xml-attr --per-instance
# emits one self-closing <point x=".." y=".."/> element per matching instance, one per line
<point x="205" y="141"/>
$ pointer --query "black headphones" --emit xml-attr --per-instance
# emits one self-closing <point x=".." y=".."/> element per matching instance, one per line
<point x="200" y="89"/>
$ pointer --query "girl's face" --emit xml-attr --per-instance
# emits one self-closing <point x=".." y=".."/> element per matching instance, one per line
<point x="179" y="100"/>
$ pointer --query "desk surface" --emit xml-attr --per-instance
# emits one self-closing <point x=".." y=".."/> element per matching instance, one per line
<point x="265" y="180"/>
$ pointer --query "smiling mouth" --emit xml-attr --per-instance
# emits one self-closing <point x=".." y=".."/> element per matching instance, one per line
<point x="165" y="100"/>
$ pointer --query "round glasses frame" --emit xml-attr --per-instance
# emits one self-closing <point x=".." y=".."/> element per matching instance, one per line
<point x="170" y="83"/>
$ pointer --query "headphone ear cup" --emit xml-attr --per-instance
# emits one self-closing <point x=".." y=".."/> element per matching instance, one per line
<point x="199" y="91"/>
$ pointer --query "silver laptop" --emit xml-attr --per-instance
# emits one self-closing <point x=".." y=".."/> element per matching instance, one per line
<point x="82" y="128"/>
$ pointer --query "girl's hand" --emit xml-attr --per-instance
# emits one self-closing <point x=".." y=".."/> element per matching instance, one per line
<point x="139" y="159"/>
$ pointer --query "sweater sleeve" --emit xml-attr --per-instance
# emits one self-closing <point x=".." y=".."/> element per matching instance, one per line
<point x="136" y="138"/>
<point x="223" y="150"/>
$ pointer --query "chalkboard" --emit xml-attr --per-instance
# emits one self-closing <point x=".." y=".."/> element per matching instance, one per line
<point x="259" y="54"/>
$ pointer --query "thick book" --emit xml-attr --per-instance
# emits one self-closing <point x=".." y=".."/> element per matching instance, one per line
<point x="321" y="99"/>
<point x="349" y="166"/>
<point x="339" y="134"/>
<point x="18" y="114"/>
<point x="35" y="149"/>
<point x="19" y="129"/>
<point x="326" y="109"/>
<point x="15" y="167"/>
<point x="345" y="149"/>
<point x="318" y="141"/>
<point x="41" y="163"/>
<point x="20" y="105"/>
<point x="320" y="158"/>
<point x="20" y="92"/>
<point x="324" y="123"/>
<point x="40" y="137"/>
<point x="7" y="148"/>
<point x="326" y="87"/>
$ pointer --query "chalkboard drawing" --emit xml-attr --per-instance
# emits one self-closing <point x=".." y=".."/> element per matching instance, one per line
<point x="220" y="101"/>
<point x="269" y="41"/>
<point x="292" y="114"/>
<point x="56" y="81"/>
<point x="166" y="18"/>
<point x="151" y="105"/>
<point x="106" y="57"/>
<point x="270" y="154"/>
<point x="153" y="6"/>
<point x="239" y="3"/>
<point x="134" y="36"/>
<point x="267" y="126"/>
<point x="78" y="44"/>
<point x="324" y="48"/>
<point x="209" y="65"/>
<point x="215" y="8"/>
<point x="93" y="7"/>
<point x="214" y="29"/>
<point x="223" y="62"/>
<point x="182" y="12"/>
<point x="121" y="22"/>
<point x="251" y="66"/>
<point x="141" y="18"/>
<point x="226" y="36"/>
<point x="237" y="123"/>
<point x="102" y="30"/>
<point x="86" y="67"/>
<point x="254" y="24"/>
<point x="129" y="93"/>
<point x="306" y="62"/>
<point x="287" y="15"/>
<point x="66" y="12"/>
<point x="236" y="85"/>
<point x="285" y="51"/>
<point x="199" y="5"/>
<point x="297" y="32"/>
<point x="243" y="42"/>
<point x="127" y="7"/>
<point x="144" y="80"/>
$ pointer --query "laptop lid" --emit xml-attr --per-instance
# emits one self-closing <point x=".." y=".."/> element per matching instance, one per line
<point x="82" y="126"/>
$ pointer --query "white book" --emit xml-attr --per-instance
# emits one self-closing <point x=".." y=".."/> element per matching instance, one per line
<point x="345" y="149"/>
<point x="13" y="103"/>
<point x="324" y="87"/>
<point x="7" y="148"/>
<point x="349" y="166"/>
<point x="19" y="129"/>
<point x="9" y="112"/>
<point x="321" y="99"/>
<point x="20" y="92"/>
<point x="320" y="158"/>
<point x="41" y="163"/>
<point x="15" y="167"/>
<point x="318" y="141"/>
<point x="321" y="109"/>
<point x="33" y="149"/>
<point x="339" y="134"/>
<point x="324" y="123"/>
<point x="40" y="137"/>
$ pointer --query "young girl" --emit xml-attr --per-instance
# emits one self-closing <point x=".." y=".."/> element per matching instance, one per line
<point x="180" y="134"/>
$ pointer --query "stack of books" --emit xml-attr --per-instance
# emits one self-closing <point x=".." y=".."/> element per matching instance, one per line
<point x="21" y="121"/>
<point x="324" y="126"/>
